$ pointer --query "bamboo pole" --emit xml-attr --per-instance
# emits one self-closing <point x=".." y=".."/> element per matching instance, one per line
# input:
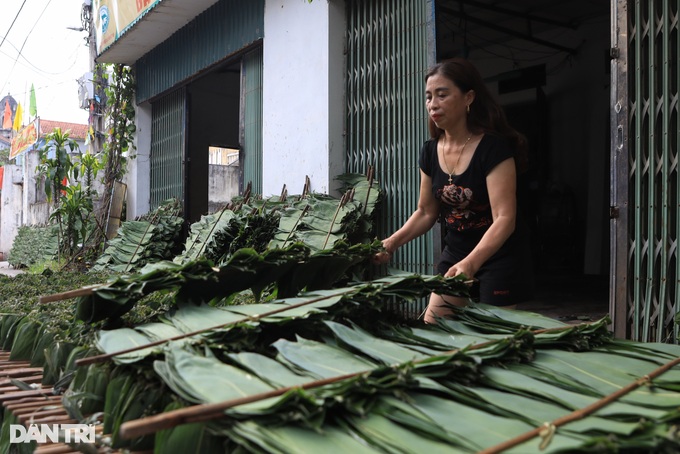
<point x="104" y="357"/>
<point x="99" y="358"/>
<point x="206" y="412"/>
<point x="548" y="429"/>
<point x="370" y="177"/>
<point x="84" y="291"/>
<point x="343" y="201"/>
<point x="292" y="231"/>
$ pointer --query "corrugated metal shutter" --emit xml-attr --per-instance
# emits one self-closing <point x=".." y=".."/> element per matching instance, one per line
<point x="387" y="58"/>
<point x="650" y="139"/>
<point x="168" y="126"/>
<point x="222" y="30"/>
<point x="251" y="147"/>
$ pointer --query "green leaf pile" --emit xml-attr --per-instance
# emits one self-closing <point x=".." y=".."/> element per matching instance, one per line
<point x="317" y="220"/>
<point x="143" y="241"/>
<point x="34" y="244"/>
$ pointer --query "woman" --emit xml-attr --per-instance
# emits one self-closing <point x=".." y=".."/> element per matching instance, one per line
<point x="468" y="180"/>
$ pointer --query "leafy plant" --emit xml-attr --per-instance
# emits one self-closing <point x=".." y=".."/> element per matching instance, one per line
<point x="89" y="166"/>
<point x="55" y="162"/>
<point x="117" y="83"/>
<point x="34" y="244"/>
<point x="73" y="204"/>
<point x="74" y="215"/>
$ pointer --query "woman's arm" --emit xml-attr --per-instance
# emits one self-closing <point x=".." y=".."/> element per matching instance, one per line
<point x="502" y="185"/>
<point x="422" y="220"/>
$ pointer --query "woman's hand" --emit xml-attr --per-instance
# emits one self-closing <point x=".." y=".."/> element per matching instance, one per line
<point x="462" y="267"/>
<point x="382" y="258"/>
<point x="385" y="256"/>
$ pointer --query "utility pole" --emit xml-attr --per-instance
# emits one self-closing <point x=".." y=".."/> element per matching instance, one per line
<point x="96" y="102"/>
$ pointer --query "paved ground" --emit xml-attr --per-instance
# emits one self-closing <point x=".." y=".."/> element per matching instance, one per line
<point x="7" y="270"/>
<point x="571" y="299"/>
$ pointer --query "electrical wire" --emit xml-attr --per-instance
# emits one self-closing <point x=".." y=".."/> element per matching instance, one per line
<point x="32" y="66"/>
<point x="24" y="43"/>
<point x="12" y="24"/>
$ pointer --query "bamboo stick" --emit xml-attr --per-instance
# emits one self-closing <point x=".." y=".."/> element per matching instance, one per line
<point x="292" y="231"/>
<point x="45" y="392"/>
<point x="84" y="291"/>
<point x="36" y="403"/>
<point x="100" y="358"/>
<point x="580" y="413"/>
<point x="368" y="191"/>
<point x="206" y="412"/>
<point x="151" y="223"/>
<point x="343" y="201"/>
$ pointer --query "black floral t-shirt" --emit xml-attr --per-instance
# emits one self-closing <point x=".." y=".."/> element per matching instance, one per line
<point x="470" y="210"/>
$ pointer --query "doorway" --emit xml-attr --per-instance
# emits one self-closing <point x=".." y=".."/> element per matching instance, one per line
<point x="214" y="112"/>
<point x="548" y="65"/>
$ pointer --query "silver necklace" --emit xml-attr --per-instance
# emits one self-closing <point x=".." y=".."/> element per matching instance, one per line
<point x="457" y="160"/>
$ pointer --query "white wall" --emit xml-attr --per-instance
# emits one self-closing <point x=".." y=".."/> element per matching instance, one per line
<point x="11" y="206"/>
<point x="23" y="200"/>
<point x="138" y="176"/>
<point x="303" y="95"/>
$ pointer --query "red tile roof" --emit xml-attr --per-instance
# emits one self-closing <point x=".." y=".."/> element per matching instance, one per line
<point x="78" y="131"/>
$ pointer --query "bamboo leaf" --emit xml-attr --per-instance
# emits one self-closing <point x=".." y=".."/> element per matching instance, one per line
<point x="381" y="350"/>
<point x="305" y="354"/>
<point x="124" y="339"/>
<point x="286" y="440"/>
<point x="269" y="370"/>
<point x="389" y="436"/>
<point x="204" y="378"/>
<point x="188" y="438"/>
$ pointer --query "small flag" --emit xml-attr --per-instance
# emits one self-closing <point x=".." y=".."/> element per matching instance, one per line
<point x="7" y="119"/>
<point x="32" y="107"/>
<point x="18" y="118"/>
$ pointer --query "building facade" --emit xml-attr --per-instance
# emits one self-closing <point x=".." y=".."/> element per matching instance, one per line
<point x="325" y="87"/>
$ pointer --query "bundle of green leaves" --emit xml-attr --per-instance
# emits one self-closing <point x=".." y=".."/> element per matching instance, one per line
<point x="152" y="238"/>
<point x="34" y="244"/>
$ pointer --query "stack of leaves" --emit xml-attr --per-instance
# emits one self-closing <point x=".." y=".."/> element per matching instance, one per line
<point x="318" y="368"/>
<point x="320" y="222"/>
<point x="201" y="235"/>
<point x="271" y="319"/>
<point x="150" y="239"/>
<point x="317" y="220"/>
<point x="482" y="319"/>
<point x="218" y="236"/>
<point x="286" y="271"/>
<point x="253" y="230"/>
<point x="34" y="244"/>
<point x="370" y="393"/>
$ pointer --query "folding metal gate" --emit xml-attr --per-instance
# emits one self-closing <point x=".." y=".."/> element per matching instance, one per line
<point x="390" y="45"/>
<point x="251" y="110"/>
<point x="168" y="127"/>
<point x="645" y="177"/>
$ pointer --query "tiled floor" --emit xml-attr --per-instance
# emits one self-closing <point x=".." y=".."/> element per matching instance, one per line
<point x="572" y="299"/>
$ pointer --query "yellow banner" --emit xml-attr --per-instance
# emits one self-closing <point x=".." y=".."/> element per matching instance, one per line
<point x="24" y="140"/>
<point x="113" y="17"/>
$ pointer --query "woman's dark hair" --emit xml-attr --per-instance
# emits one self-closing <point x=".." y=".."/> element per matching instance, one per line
<point x="486" y="115"/>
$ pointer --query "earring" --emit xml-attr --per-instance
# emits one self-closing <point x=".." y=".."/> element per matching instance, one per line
<point x="468" y="108"/>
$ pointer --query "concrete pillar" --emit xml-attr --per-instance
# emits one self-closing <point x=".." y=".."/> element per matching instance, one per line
<point x="303" y="95"/>
<point x="139" y="168"/>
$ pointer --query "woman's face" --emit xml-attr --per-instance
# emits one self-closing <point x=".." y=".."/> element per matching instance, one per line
<point x="446" y="103"/>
